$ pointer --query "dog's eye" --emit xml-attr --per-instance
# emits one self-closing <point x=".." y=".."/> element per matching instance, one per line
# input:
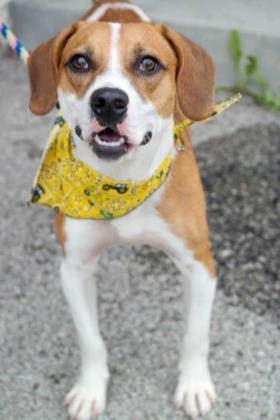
<point x="80" y="63"/>
<point x="148" y="65"/>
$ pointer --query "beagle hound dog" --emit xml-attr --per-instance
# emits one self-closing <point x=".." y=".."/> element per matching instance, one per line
<point x="123" y="83"/>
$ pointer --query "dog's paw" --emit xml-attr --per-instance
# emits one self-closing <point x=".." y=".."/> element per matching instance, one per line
<point x="86" y="401"/>
<point x="195" y="396"/>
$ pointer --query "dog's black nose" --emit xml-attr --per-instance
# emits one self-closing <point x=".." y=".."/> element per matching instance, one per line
<point x="109" y="106"/>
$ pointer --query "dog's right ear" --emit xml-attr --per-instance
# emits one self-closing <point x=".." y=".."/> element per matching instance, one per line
<point x="43" y="69"/>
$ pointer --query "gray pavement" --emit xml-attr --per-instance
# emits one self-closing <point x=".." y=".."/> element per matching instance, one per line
<point x="139" y="289"/>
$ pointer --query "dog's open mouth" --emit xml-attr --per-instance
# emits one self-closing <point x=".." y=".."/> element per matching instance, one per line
<point x="109" y="144"/>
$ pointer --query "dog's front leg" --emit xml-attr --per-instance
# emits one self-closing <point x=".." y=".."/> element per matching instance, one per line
<point x="88" y="396"/>
<point x="87" y="399"/>
<point x="195" y="392"/>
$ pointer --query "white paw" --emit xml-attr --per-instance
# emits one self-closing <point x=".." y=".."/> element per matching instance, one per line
<point x="86" y="401"/>
<point x="195" y="396"/>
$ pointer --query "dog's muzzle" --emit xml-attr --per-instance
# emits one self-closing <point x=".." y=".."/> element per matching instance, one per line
<point x="109" y="108"/>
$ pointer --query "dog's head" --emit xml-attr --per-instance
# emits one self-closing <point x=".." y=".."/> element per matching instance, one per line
<point x="118" y="85"/>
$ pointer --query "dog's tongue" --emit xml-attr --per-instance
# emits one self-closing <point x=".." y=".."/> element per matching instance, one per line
<point x="109" y="135"/>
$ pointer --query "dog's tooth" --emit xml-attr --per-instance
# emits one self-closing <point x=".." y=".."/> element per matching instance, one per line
<point x="114" y="144"/>
<point x="98" y="139"/>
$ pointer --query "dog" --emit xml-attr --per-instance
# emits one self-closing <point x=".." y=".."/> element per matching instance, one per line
<point x="122" y="83"/>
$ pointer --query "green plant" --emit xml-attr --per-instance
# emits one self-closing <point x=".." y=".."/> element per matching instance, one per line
<point x="248" y="77"/>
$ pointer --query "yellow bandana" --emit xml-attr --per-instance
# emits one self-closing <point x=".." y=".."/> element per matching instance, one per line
<point x="76" y="190"/>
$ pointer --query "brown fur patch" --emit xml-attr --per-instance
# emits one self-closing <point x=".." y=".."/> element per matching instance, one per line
<point x="119" y="15"/>
<point x="99" y="3"/>
<point x="60" y="230"/>
<point x="195" y="75"/>
<point x="183" y="205"/>
<point x="43" y="71"/>
<point x="140" y="40"/>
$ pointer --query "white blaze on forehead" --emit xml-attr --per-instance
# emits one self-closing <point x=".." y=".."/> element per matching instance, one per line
<point x="113" y="76"/>
<point x="114" y="59"/>
<point x="98" y="13"/>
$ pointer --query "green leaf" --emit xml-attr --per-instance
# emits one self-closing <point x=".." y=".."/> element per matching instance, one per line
<point x="269" y="100"/>
<point x="273" y="102"/>
<point x="235" y="46"/>
<point x="248" y="78"/>
<point x="267" y="97"/>
<point x="253" y="72"/>
<point x="252" y="66"/>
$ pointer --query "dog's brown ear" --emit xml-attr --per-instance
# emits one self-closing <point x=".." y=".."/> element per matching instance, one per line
<point x="195" y="76"/>
<point x="43" y="66"/>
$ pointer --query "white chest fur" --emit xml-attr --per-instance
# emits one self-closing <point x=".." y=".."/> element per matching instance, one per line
<point x="143" y="226"/>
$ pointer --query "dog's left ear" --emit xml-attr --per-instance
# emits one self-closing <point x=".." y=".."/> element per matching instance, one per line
<point x="195" y="76"/>
<point x="43" y="69"/>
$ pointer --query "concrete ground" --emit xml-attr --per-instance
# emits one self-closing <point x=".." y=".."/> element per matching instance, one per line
<point x="139" y="289"/>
